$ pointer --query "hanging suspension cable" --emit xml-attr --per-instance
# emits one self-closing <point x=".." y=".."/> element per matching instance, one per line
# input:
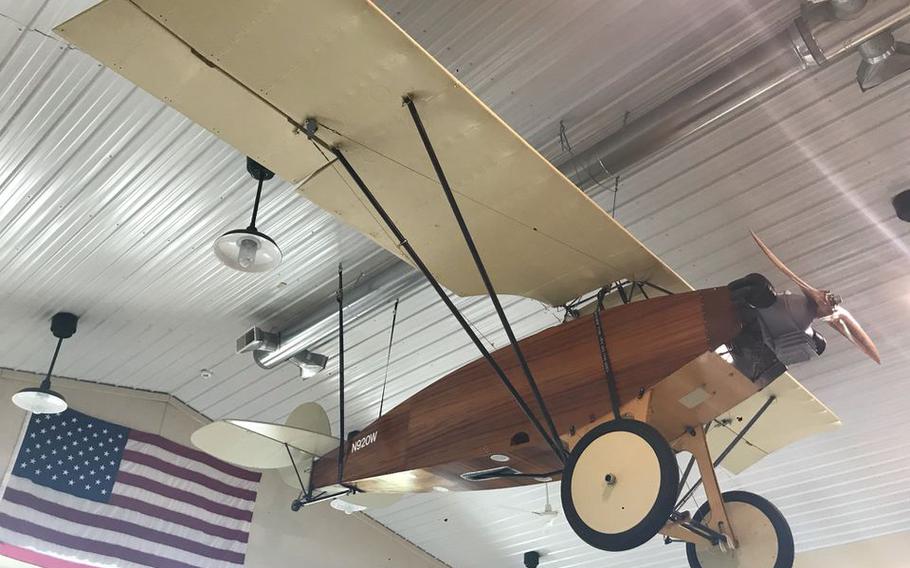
<point x="388" y="356"/>
<point x="478" y="262"/>
<point x="339" y="296"/>
<point x="418" y="262"/>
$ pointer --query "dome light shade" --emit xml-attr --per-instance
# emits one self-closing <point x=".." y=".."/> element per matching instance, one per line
<point x="247" y="250"/>
<point x="40" y="401"/>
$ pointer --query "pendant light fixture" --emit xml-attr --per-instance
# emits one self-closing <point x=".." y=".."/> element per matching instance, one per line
<point x="43" y="400"/>
<point x="248" y="250"/>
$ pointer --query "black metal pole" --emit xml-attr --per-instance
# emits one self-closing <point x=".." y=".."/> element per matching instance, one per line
<point x="256" y="205"/>
<point x="46" y="383"/>
<point x="339" y="296"/>
<point x="729" y="448"/>
<point x="403" y="242"/>
<point x="478" y="262"/>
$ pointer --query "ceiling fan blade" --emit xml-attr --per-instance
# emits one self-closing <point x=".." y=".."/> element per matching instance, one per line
<point x="844" y="322"/>
<point x="818" y="296"/>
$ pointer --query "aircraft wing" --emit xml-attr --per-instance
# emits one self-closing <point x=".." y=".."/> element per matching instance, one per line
<point x="251" y="72"/>
<point x="794" y="414"/>
<point x="246" y="70"/>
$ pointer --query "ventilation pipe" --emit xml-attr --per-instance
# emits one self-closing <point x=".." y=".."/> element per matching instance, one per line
<point x="824" y="32"/>
<point x="361" y="301"/>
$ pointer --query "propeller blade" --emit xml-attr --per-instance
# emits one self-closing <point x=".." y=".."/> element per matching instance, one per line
<point x="818" y="296"/>
<point x="844" y="322"/>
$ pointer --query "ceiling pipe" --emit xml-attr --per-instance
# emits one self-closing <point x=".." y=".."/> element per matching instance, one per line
<point x="824" y="32"/>
<point x="362" y="300"/>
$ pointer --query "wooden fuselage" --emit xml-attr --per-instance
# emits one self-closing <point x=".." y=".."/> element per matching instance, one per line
<point x="453" y="426"/>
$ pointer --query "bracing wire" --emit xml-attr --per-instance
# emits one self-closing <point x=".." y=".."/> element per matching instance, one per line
<point x="388" y="356"/>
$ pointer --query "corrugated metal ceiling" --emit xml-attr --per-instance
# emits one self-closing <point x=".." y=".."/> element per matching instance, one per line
<point x="109" y="202"/>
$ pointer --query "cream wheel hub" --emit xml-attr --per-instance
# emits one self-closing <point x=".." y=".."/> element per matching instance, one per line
<point x="756" y="540"/>
<point x="615" y="482"/>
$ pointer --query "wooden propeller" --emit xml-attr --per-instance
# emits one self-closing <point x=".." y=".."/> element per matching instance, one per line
<point x="828" y="307"/>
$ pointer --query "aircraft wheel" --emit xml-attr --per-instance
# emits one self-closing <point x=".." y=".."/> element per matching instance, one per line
<point x="619" y="485"/>
<point x="763" y="536"/>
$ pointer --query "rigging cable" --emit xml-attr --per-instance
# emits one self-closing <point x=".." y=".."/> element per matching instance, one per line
<point x="388" y="356"/>
<point x="339" y="296"/>
<point x="481" y="269"/>
<point x="443" y="295"/>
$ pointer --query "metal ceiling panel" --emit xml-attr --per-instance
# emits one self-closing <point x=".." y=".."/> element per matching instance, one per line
<point x="109" y="202"/>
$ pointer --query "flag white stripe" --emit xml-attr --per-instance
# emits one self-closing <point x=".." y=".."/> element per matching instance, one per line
<point x="185" y="485"/>
<point x="120" y="514"/>
<point x="180" y="507"/>
<point x="105" y="535"/>
<point x="201" y="467"/>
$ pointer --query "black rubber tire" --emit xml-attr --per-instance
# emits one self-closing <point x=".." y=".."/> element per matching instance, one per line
<point x="663" y="503"/>
<point x="785" y="546"/>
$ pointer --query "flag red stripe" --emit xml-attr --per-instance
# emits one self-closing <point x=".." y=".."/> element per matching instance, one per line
<point x="36" y="558"/>
<point x="151" y="510"/>
<point x="188" y="474"/>
<point x="196" y="455"/>
<point x="124" y="527"/>
<point x="184" y="496"/>
<point x="88" y="545"/>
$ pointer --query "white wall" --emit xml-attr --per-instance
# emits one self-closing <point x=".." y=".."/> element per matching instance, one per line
<point x="316" y="536"/>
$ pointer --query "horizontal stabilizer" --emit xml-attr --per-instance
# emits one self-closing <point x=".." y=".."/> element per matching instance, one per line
<point x="264" y="445"/>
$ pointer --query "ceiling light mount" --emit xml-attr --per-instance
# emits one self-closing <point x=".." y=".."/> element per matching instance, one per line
<point x="43" y="400"/>
<point x="249" y="250"/>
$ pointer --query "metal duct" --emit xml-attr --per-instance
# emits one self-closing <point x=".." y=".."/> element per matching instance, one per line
<point x="823" y="33"/>
<point x="361" y="300"/>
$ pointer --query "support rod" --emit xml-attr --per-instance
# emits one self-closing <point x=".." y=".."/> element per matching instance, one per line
<point x="478" y="262"/>
<point x="729" y="448"/>
<point x="303" y="488"/>
<point x="256" y="205"/>
<point x="46" y="383"/>
<point x="339" y="296"/>
<point x="403" y="242"/>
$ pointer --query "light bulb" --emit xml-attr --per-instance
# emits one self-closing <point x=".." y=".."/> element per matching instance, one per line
<point x="246" y="256"/>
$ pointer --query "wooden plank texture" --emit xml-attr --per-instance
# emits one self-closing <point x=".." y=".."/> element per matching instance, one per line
<point x="454" y="425"/>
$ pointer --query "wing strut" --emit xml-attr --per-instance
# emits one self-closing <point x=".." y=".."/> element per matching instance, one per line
<point x="488" y="284"/>
<point x="310" y="130"/>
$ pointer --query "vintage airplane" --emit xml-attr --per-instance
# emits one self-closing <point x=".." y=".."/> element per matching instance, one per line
<point x="332" y="94"/>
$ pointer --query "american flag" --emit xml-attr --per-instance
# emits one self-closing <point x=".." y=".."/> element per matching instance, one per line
<point x="85" y="492"/>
